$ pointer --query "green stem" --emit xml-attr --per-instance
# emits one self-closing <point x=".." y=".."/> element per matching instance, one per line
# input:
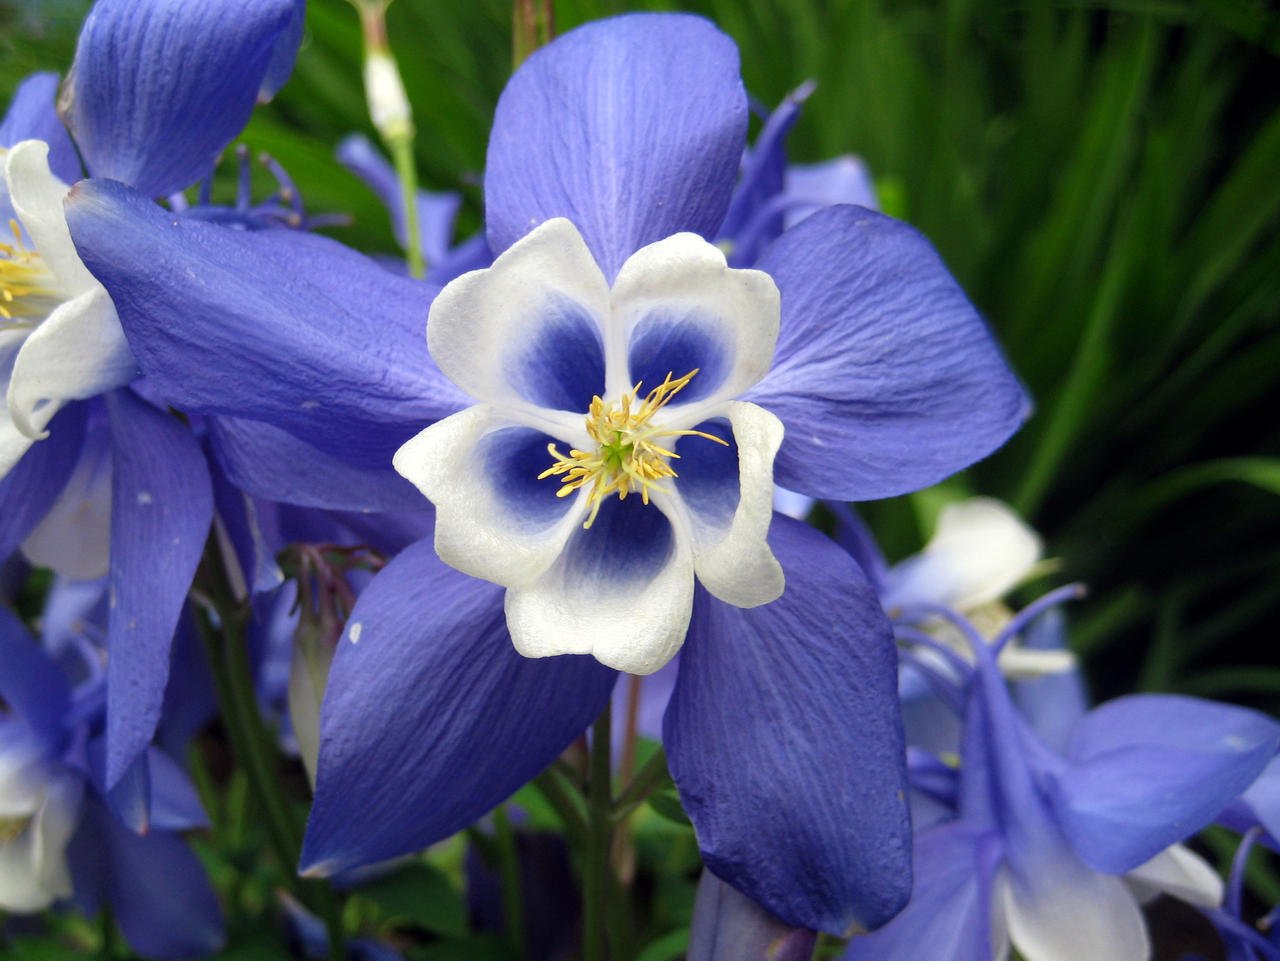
<point x="252" y="742"/>
<point x="651" y="777"/>
<point x="566" y="801"/>
<point x="533" y="26"/>
<point x="512" y="893"/>
<point x="595" y="888"/>
<point x="407" y="173"/>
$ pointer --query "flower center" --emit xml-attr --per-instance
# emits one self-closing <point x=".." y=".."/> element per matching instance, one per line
<point x="27" y="288"/>
<point x="627" y="457"/>
<point x="12" y="827"/>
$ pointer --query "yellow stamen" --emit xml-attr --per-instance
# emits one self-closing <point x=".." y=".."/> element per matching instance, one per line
<point x="626" y="459"/>
<point x="27" y="288"/>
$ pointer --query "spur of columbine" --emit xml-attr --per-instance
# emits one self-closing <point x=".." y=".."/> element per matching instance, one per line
<point x="606" y="563"/>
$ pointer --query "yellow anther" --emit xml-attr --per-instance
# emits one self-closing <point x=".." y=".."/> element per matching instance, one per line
<point x="27" y="288"/>
<point x="626" y="458"/>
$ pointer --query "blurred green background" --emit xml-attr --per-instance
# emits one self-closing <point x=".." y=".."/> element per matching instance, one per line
<point x="1104" y="180"/>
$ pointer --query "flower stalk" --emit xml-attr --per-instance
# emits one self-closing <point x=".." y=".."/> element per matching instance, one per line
<point x="221" y="621"/>
<point x="392" y="117"/>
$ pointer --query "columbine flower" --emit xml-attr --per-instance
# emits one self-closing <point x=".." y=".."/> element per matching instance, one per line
<point x="883" y="378"/>
<point x="574" y="502"/>
<point x="1054" y="846"/>
<point x="92" y="475"/>
<point x="579" y="344"/>
<point x="58" y="834"/>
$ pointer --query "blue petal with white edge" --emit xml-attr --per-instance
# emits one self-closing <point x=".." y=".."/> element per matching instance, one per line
<point x="36" y="481"/>
<point x="802" y="691"/>
<point x="274" y="325"/>
<point x="157" y="888"/>
<point x="885" y="376"/>
<point x="161" y="508"/>
<point x="30" y="682"/>
<point x="949" y="915"/>
<point x="31" y="116"/>
<point x="157" y="88"/>
<point x="631" y="127"/>
<point x="431" y="718"/>
<point x="267" y="462"/>
<point x="1149" y="770"/>
<point x="621" y="591"/>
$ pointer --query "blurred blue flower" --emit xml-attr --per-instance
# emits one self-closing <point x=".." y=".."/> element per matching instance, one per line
<point x="1054" y="848"/>
<point x="59" y="836"/>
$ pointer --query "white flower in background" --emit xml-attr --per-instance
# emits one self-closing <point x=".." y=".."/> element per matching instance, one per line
<point x="39" y="809"/>
<point x="980" y="551"/>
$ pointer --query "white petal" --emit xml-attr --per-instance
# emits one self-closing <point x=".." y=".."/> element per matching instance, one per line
<point x="13" y="444"/>
<point x="731" y="552"/>
<point x="518" y="334"/>
<point x="52" y="829"/>
<point x="74" y="538"/>
<point x="22" y="771"/>
<point x="980" y="551"/>
<point x="37" y="195"/>
<point x="1071" y="912"/>
<point x="77" y="352"/>
<point x="33" y="865"/>
<point x="494" y="520"/>
<point x="679" y="306"/>
<point x="631" y="611"/>
<point x="1178" y="871"/>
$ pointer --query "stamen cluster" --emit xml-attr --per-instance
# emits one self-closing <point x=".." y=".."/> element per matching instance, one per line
<point x="25" y="281"/>
<point x="626" y="457"/>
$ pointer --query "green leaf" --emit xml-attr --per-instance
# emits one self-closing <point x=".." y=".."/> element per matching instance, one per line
<point x="40" y="949"/>
<point x="671" y="945"/>
<point x="420" y="894"/>
<point x="667" y="805"/>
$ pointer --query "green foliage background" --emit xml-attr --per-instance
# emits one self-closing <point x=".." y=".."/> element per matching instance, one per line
<point x="1104" y="180"/>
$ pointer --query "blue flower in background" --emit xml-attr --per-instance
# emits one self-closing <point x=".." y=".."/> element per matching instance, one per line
<point x="95" y="475"/>
<point x="59" y="838"/>
<point x="1055" y="844"/>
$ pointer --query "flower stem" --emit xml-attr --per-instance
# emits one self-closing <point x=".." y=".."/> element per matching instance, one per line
<point x="392" y="117"/>
<point x="595" y="888"/>
<point x="512" y="892"/>
<point x="251" y="741"/>
<point x="533" y="24"/>
<point x="652" y="777"/>
<point x="407" y="172"/>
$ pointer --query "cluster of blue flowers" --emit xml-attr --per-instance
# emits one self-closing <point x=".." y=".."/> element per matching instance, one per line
<point x="552" y="460"/>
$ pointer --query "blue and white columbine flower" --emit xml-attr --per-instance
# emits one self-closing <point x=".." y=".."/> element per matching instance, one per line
<point x="562" y="486"/>
<point x="633" y="397"/>
<point x="614" y="154"/>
